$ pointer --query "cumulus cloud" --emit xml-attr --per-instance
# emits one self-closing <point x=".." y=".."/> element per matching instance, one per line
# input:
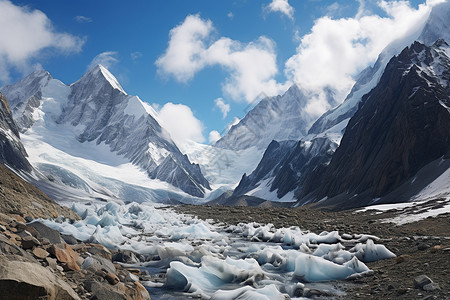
<point x="180" y="122"/>
<point x="83" y="19"/>
<point x="251" y="67"/>
<point x="106" y="59"/>
<point x="25" y="34"/>
<point x="338" y="49"/>
<point x="214" y="136"/>
<point x="281" y="6"/>
<point x="224" y="107"/>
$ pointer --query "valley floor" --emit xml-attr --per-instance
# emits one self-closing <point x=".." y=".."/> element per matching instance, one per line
<point x="422" y="247"/>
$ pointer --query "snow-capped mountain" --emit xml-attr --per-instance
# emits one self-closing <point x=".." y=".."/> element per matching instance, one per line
<point x="398" y="141"/>
<point x="273" y="118"/>
<point x="96" y="113"/>
<point x="12" y="152"/>
<point x="332" y="124"/>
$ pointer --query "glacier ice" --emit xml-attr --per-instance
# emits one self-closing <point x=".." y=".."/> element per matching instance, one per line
<point x="213" y="261"/>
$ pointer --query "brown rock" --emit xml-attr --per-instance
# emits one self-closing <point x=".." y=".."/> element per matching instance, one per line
<point x="112" y="278"/>
<point x="141" y="292"/>
<point x="25" y="280"/>
<point x="18" y="218"/>
<point x="28" y="242"/>
<point x="40" y="253"/>
<point x="65" y="255"/>
<point x="403" y="258"/>
<point x="436" y="248"/>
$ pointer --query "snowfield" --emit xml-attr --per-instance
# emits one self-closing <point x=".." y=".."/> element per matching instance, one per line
<point x="214" y="261"/>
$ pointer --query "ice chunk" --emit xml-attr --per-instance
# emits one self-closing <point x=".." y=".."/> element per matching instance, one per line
<point x="370" y="252"/>
<point x="314" y="269"/>
<point x="269" y="292"/>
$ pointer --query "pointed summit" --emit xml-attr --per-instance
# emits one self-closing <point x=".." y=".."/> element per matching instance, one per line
<point x="98" y="76"/>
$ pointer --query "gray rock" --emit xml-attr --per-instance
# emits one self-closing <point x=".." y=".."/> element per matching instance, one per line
<point x="96" y="263"/>
<point x="431" y="287"/>
<point x="422" y="280"/>
<point x="102" y="291"/>
<point x="46" y="232"/>
<point x="69" y="239"/>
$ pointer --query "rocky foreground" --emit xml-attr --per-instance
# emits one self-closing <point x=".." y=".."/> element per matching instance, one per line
<point x="420" y="270"/>
<point x="37" y="262"/>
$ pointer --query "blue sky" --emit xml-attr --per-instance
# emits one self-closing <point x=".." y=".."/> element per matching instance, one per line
<point x="214" y="57"/>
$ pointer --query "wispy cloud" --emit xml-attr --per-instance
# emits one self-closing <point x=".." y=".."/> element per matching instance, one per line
<point x="281" y="6"/>
<point x="136" y="55"/>
<point x="25" y="34"/>
<point x="106" y="59"/>
<point x="222" y="106"/>
<point x="83" y="19"/>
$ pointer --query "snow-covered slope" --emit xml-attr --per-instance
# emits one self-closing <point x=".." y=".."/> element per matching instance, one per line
<point x="94" y="119"/>
<point x="275" y="118"/>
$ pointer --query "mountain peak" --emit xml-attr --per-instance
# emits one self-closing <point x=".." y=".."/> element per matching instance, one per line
<point x="99" y="72"/>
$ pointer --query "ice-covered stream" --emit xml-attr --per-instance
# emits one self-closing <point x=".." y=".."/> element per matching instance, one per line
<point x="190" y="257"/>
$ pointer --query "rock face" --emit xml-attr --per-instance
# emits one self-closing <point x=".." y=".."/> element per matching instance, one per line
<point x="402" y="125"/>
<point x="285" y="166"/>
<point x="276" y="118"/>
<point x="12" y="152"/>
<point x="26" y="280"/>
<point x="98" y="110"/>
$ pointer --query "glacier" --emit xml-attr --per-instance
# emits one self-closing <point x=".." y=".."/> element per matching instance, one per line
<point x="215" y="261"/>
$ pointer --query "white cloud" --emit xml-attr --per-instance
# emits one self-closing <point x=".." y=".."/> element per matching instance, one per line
<point x="338" y="49"/>
<point x="281" y="6"/>
<point x="25" y="34"/>
<point x="224" y="107"/>
<point x="83" y="19"/>
<point x="214" y="136"/>
<point x="181" y="123"/>
<point x="106" y="59"/>
<point x="235" y="121"/>
<point x="183" y="57"/>
<point x="251" y="67"/>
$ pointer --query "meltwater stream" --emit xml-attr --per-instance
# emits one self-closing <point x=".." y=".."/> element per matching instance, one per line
<point x="188" y="257"/>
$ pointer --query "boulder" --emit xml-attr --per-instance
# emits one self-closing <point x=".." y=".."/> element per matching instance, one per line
<point x="29" y="242"/>
<point x="104" y="291"/>
<point x="27" y="281"/>
<point x="422" y="280"/>
<point x="65" y="255"/>
<point x="40" y="253"/>
<point x="96" y="263"/>
<point x="46" y="232"/>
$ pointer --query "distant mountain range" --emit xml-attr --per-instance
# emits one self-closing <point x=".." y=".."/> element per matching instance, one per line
<point x="345" y="159"/>
<point x="389" y="141"/>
